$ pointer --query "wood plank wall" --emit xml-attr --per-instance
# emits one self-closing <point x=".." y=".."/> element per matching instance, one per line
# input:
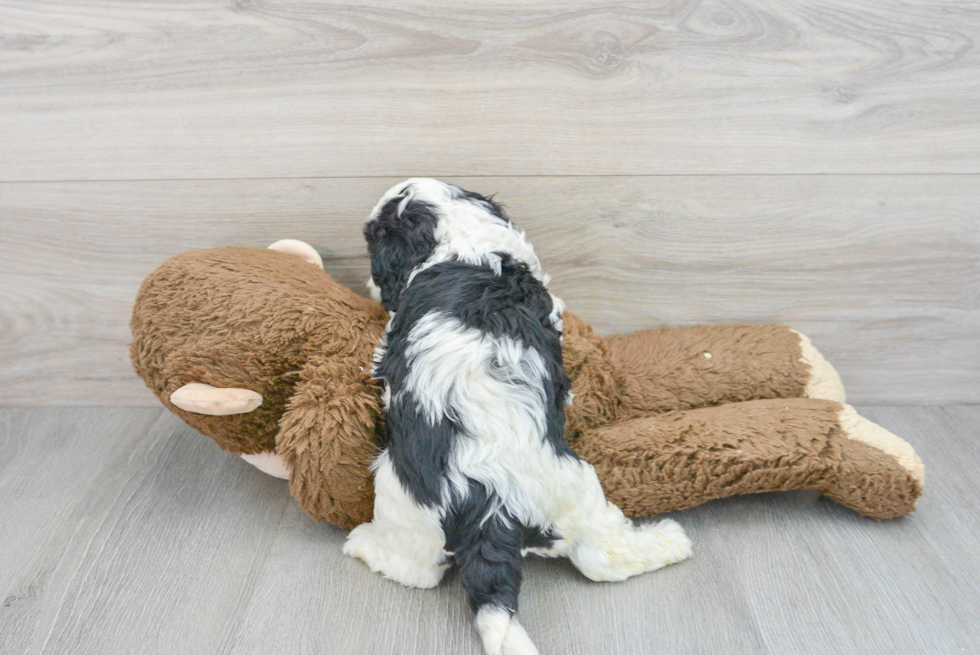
<point x="675" y="162"/>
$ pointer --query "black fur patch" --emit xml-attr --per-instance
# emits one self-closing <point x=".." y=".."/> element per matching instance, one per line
<point x="419" y="450"/>
<point x="398" y="244"/>
<point x="487" y="203"/>
<point x="488" y="552"/>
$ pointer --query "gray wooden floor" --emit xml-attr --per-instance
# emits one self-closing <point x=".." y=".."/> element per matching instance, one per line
<point x="123" y="531"/>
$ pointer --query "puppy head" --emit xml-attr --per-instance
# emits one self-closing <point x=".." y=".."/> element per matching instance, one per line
<point x="400" y="234"/>
<point x="422" y="221"/>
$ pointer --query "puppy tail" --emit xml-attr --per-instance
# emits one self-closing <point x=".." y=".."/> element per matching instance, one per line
<point x="501" y="633"/>
<point x="490" y="564"/>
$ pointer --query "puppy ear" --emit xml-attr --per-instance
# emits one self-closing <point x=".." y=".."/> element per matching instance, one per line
<point x="400" y="239"/>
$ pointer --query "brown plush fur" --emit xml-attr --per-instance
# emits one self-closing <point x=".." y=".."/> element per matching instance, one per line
<point x="679" y="459"/>
<point x="652" y="371"/>
<point x="247" y="318"/>
<point x="644" y="411"/>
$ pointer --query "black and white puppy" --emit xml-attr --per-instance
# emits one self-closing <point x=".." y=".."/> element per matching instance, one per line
<point x="475" y="468"/>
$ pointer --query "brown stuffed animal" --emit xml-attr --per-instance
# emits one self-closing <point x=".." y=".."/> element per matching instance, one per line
<point x="267" y="355"/>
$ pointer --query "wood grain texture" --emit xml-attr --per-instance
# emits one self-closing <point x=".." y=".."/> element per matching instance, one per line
<point x="122" y="537"/>
<point x="170" y="90"/>
<point x="123" y="531"/>
<point x="883" y="272"/>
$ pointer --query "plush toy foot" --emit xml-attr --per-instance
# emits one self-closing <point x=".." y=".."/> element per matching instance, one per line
<point x="824" y="382"/>
<point x="269" y="463"/>
<point x="632" y="550"/>
<point x="882" y="487"/>
<point x="300" y="249"/>
<point x="501" y="633"/>
<point x="858" y="428"/>
<point x="215" y="401"/>
<point x="387" y="554"/>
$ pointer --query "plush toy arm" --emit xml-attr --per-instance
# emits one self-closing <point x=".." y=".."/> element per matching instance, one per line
<point x="684" y="458"/>
<point x="665" y="369"/>
<point x="327" y="440"/>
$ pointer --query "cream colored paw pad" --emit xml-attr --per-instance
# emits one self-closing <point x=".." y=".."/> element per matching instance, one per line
<point x="825" y="382"/>
<point x="858" y="428"/>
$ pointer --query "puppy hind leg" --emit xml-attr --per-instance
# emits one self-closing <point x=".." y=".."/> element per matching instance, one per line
<point x="621" y="551"/>
<point x="605" y="545"/>
<point x="404" y="542"/>
<point x="490" y="567"/>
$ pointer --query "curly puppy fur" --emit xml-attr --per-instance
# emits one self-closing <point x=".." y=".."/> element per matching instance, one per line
<point x="475" y="465"/>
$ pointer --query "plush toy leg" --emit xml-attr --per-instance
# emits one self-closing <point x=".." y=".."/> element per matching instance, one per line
<point x="215" y="401"/>
<point x="666" y="369"/>
<point x="300" y="249"/>
<point x="680" y="459"/>
<point x="865" y="440"/>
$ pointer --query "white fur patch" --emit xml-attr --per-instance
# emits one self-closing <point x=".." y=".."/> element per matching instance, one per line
<point x="501" y="633"/>
<point x="373" y="290"/>
<point x="453" y="366"/>
<point x="404" y="541"/>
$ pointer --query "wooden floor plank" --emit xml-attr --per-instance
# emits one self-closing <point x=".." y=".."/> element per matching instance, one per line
<point x="150" y="542"/>
<point x="823" y="579"/>
<point x="883" y="272"/>
<point x="123" y="531"/>
<point x="129" y="90"/>
<point x="312" y="599"/>
<point x="337" y="597"/>
<point x="48" y="461"/>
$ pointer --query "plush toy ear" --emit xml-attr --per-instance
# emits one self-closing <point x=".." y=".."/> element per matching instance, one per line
<point x="300" y="249"/>
<point x="215" y="401"/>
